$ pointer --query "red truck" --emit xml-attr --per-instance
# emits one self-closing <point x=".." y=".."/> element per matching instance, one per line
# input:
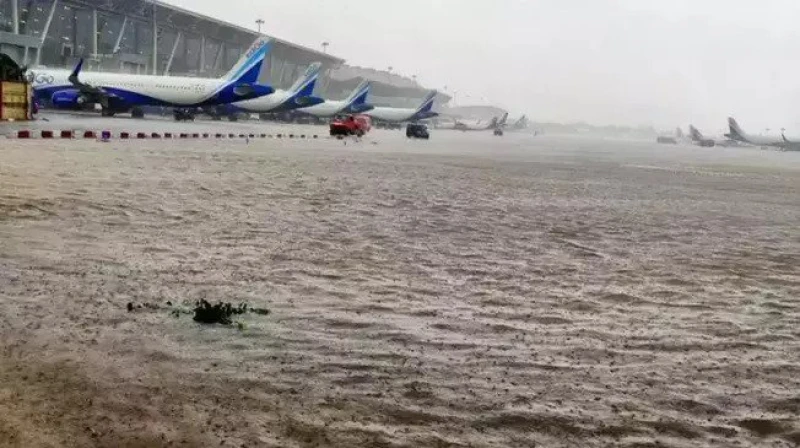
<point x="357" y="125"/>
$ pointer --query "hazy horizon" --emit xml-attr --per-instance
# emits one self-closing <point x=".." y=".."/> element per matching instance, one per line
<point x="615" y="62"/>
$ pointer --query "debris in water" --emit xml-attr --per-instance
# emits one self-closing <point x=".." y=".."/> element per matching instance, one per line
<point x="204" y="312"/>
<point x="221" y="313"/>
<point x="150" y="306"/>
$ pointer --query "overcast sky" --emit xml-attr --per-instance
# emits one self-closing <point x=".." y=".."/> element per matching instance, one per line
<point x="661" y="62"/>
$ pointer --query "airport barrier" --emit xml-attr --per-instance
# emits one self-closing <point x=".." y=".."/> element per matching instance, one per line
<point x="125" y="135"/>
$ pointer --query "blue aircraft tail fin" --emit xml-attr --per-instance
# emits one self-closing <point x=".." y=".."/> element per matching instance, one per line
<point x="248" y="68"/>
<point x="306" y="84"/>
<point x="427" y="104"/>
<point x="73" y="77"/>
<point x="359" y="95"/>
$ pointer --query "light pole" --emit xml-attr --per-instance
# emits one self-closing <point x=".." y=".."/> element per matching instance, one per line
<point x="259" y="22"/>
<point x="325" y="47"/>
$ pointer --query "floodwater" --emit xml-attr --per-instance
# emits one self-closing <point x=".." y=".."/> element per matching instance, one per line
<point x="469" y="291"/>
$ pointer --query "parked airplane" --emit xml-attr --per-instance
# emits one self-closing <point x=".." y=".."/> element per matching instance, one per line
<point x="700" y="140"/>
<point x="789" y="145"/>
<point x="495" y="123"/>
<point x="119" y="92"/>
<point x="520" y="124"/>
<point x="736" y="133"/>
<point x="503" y="120"/>
<point x="356" y="103"/>
<point x="460" y="125"/>
<point x="298" y="96"/>
<point x="401" y="115"/>
<point x="677" y="138"/>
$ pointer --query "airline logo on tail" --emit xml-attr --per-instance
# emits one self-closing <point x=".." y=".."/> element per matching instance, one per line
<point x="247" y="70"/>
<point x="305" y="85"/>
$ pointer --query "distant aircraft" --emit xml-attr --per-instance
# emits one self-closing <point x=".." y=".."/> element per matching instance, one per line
<point x="496" y="123"/>
<point x="736" y="133"/>
<point x="520" y="124"/>
<point x="465" y="127"/>
<point x="356" y="103"/>
<point x="298" y="96"/>
<point x="677" y="138"/>
<point x="120" y="92"/>
<point x="789" y="145"/>
<point x="700" y="140"/>
<point x="401" y="115"/>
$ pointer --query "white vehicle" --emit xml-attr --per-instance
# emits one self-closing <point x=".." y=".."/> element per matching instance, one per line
<point x="119" y="92"/>
<point x="736" y="133"/>
<point x="356" y="103"/>
<point x="400" y="115"/>
<point x="298" y="96"/>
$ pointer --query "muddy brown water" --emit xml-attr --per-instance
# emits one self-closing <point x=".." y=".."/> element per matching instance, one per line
<point x="465" y="292"/>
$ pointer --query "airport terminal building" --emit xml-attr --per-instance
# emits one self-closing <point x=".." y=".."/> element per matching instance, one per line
<point x="153" y="37"/>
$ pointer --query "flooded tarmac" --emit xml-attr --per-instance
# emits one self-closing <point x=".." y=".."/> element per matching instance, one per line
<point x="470" y="291"/>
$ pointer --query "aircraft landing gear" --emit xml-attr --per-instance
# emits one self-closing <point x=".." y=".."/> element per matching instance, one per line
<point x="106" y="112"/>
<point x="137" y="112"/>
<point x="183" y="115"/>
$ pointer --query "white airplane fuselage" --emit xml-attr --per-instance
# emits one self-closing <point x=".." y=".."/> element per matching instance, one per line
<point x="266" y="104"/>
<point x="121" y="91"/>
<point x="135" y="89"/>
<point x="327" y="109"/>
<point x="391" y="114"/>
